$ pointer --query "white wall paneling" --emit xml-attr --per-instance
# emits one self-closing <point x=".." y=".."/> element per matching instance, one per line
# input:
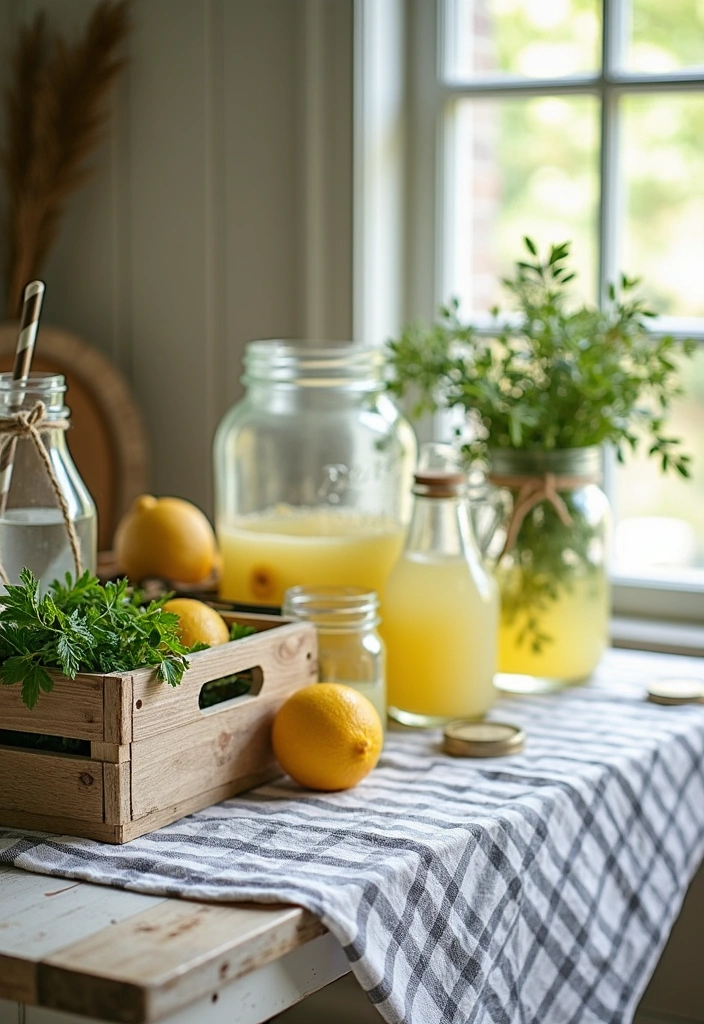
<point x="326" y="166"/>
<point x="219" y="208"/>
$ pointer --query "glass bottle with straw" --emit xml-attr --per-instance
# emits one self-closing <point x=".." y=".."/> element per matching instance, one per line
<point x="47" y="517"/>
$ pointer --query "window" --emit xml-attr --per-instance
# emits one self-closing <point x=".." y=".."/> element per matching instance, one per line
<point x="576" y="120"/>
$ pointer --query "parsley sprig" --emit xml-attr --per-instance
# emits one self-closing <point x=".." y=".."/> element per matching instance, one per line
<point x="83" y="626"/>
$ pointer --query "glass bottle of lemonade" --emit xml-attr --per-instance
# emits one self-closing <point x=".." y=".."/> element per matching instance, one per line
<point x="440" y="611"/>
<point x="312" y="473"/>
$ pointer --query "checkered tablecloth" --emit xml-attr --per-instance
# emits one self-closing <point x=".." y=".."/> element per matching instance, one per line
<point x="532" y="889"/>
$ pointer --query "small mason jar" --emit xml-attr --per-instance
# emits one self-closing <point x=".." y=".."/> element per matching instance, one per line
<point x="33" y="531"/>
<point x="549" y="556"/>
<point x="312" y="473"/>
<point x="350" y="650"/>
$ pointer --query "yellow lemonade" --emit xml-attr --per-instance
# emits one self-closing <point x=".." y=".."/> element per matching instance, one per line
<point x="576" y="623"/>
<point x="265" y="554"/>
<point x="439" y="627"/>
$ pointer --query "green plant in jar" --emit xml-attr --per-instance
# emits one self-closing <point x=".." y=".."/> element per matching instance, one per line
<point x="543" y="391"/>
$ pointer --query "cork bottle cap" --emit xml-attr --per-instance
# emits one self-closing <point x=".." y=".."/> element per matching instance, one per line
<point x="439" y="483"/>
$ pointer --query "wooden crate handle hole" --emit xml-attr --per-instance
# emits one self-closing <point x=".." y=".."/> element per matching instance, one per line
<point x="221" y="694"/>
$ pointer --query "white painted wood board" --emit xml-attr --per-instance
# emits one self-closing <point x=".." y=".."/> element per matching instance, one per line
<point x="41" y="914"/>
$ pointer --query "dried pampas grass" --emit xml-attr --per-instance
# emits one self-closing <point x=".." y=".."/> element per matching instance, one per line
<point x="56" y="110"/>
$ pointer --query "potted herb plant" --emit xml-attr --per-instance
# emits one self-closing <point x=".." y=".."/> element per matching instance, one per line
<point x="543" y="392"/>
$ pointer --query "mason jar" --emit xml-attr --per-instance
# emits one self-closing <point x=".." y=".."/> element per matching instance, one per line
<point x="549" y="555"/>
<point x="350" y="650"/>
<point x="33" y="531"/>
<point x="312" y="472"/>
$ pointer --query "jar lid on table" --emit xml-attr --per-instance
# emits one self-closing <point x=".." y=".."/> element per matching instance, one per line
<point x="676" y="691"/>
<point x="467" y="738"/>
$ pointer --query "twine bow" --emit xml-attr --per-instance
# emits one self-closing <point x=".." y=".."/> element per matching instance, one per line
<point x="531" y="491"/>
<point x="31" y="424"/>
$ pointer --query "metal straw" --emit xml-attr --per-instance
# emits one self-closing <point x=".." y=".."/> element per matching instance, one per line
<point x="29" y="321"/>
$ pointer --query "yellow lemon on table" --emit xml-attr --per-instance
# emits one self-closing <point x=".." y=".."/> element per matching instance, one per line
<point x="198" y="622"/>
<point x="327" y="736"/>
<point x="166" y="537"/>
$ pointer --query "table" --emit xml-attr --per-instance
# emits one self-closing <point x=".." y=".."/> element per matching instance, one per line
<point x="112" y="955"/>
<point x="57" y="952"/>
<point x="108" y="954"/>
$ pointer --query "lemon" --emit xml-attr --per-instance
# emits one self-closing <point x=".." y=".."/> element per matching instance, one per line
<point x="327" y="736"/>
<point x="166" y="537"/>
<point x="198" y="622"/>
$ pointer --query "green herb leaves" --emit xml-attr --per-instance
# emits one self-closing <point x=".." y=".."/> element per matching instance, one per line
<point x="239" y="632"/>
<point x="550" y="377"/>
<point x="83" y="627"/>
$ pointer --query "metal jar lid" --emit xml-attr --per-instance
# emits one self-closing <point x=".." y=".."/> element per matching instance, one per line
<point x="676" y="691"/>
<point x="465" y="738"/>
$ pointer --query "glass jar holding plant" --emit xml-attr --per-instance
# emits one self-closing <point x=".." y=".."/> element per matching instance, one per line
<point x="543" y="392"/>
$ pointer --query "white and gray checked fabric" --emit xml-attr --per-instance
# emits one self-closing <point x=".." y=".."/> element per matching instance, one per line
<point x="532" y="889"/>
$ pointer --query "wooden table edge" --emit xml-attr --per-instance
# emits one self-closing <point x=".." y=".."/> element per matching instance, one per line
<point x="156" y="961"/>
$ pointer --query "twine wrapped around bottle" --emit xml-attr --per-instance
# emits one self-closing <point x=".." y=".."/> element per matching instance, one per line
<point x="30" y="425"/>
<point x="532" y="489"/>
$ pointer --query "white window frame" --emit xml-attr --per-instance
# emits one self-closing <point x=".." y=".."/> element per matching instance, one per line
<point x="428" y="196"/>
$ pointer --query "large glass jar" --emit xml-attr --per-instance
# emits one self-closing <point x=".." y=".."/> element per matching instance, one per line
<point x="33" y="532"/>
<point x="550" y="560"/>
<point x="312" y="473"/>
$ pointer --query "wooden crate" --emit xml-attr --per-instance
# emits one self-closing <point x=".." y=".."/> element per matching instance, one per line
<point x="154" y="754"/>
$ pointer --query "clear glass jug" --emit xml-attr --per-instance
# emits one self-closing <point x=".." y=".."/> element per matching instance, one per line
<point x="33" y="532"/>
<point x="312" y="473"/>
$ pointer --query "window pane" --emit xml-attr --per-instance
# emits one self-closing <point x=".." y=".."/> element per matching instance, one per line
<point x="664" y="210"/>
<point x="536" y="38"/>
<point x="520" y="167"/>
<point x="660" y="519"/>
<point x="666" y="36"/>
